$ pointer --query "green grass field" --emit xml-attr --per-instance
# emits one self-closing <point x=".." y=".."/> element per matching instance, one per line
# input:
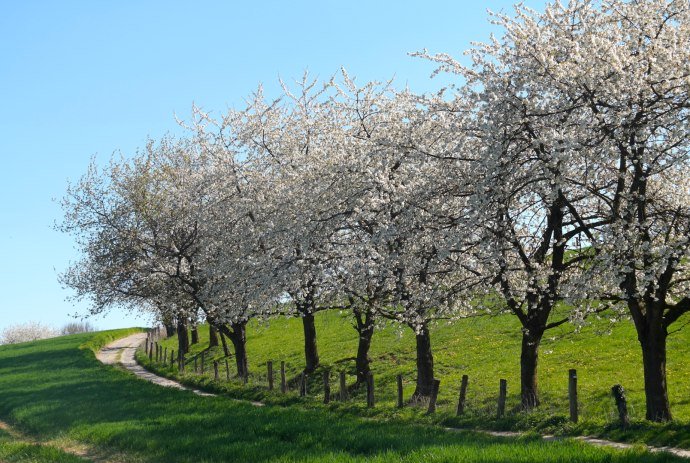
<point x="14" y="449"/>
<point x="486" y="349"/>
<point x="56" y="391"/>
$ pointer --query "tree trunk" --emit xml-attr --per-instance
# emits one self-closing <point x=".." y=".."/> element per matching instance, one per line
<point x="212" y="336"/>
<point x="529" y="360"/>
<point x="182" y="338"/>
<point x="653" y="344"/>
<point x="170" y="328"/>
<point x="311" y="353"/>
<point x="223" y="341"/>
<point x="195" y="335"/>
<point x="365" y="329"/>
<point x="425" y="365"/>
<point x="238" y="336"/>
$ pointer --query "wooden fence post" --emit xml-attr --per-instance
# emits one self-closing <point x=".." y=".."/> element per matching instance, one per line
<point x="303" y="385"/>
<point x="283" y="382"/>
<point x="343" y="387"/>
<point x="227" y="370"/>
<point x="203" y="359"/>
<point x="172" y="357"/>
<point x="463" y="395"/>
<point x="502" y="392"/>
<point x="215" y="370"/>
<point x="326" y="387"/>
<point x="622" y="404"/>
<point x="572" y="394"/>
<point x="147" y="345"/>
<point x="165" y="356"/>
<point x="370" y="390"/>
<point x="434" y="396"/>
<point x="269" y="366"/>
<point x="401" y="404"/>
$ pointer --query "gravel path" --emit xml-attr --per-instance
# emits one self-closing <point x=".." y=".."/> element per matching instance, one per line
<point x="594" y="441"/>
<point x="122" y="351"/>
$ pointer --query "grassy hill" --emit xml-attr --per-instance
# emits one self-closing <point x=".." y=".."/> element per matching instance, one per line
<point x="486" y="349"/>
<point x="56" y="391"/>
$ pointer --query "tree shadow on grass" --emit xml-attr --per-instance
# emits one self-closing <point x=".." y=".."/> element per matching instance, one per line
<point x="52" y="389"/>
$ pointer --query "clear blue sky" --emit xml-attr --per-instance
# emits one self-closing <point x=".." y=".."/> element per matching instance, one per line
<point x="89" y="78"/>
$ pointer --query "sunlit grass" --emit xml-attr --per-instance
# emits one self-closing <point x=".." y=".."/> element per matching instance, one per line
<point x="54" y="390"/>
<point x="486" y="349"/>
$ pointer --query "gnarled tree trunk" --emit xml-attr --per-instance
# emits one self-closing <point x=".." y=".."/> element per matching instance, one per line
<point x="653" y="342"/>
<point x="425" y="364"/>
<point x="365" y="329"/>
<point x="170" y="328"/>
<point x="311" y="353"/>
<point x="226" y="351"/>
<point x="237" y="332"/>
<point x="195" y="334"/>
<point x="529" y="361"/>
<point x="212" y="336"/>
<point x="182" y="338"/>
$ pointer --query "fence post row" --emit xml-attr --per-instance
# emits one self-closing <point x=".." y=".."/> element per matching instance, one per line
<point x="269" y="367"/>
<point x="303" y="384"/>
<point x="434" y="396"/>
<point x="463" y="395"/>
<point x="326" y="387"/>
<point x="502" y="392"/>
<point x="343" y="387"/>
<point x="161" y="354"/>
<point x="400" y="391"/>
<point x="621" y="404"/>
<point x="572" y="394"/>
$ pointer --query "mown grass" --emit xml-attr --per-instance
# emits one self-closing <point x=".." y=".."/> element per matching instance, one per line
<point x="486" y="349"/>
<point x="52" y="389"/>
<point x="14" y="449"/>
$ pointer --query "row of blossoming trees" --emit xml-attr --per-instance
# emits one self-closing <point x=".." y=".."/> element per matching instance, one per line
<point x="551" y="182"/>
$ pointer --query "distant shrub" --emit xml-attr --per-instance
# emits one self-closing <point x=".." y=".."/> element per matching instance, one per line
<point x="77" y="327"/>
<point x="24" y="332"/>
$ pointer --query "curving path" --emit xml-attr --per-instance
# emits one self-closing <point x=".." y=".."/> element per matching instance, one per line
<point x="122" y="351"/>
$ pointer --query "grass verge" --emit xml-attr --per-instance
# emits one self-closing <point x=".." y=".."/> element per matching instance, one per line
<point x="52" y="389"/>
<point x="486" y="349"/>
